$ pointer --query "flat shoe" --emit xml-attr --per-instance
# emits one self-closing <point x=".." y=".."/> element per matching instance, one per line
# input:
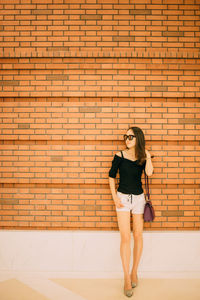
<point x="128" y="292"/>
<point x="134" y="284"/>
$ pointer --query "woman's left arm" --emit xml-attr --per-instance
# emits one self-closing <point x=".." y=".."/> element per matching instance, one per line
<point x="149" y="166"/>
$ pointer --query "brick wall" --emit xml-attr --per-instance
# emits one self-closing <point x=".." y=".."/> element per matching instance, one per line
<point x="74" y="76"/>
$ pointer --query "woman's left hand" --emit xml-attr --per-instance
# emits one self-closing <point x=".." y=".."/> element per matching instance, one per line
<point x="148" y="154"/>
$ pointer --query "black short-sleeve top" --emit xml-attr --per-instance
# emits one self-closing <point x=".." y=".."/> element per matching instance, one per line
<point x="130" y="174"/>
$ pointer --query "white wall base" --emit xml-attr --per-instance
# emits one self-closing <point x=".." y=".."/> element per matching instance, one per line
<point x="96" y="254"/>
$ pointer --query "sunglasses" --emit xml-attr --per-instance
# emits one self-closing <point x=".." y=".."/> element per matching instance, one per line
<point x="130" y="137"/>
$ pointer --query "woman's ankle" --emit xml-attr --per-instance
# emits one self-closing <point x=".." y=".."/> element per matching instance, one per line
<point x="127" y="277"/>
<point x="127" y="282"/>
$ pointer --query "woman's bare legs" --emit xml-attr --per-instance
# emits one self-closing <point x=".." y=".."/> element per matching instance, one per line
<point x="138" y="224"/>
<point x="125" y="250"/>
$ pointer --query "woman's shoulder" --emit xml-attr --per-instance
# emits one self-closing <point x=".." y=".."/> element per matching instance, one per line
<point x="119" y="154"/>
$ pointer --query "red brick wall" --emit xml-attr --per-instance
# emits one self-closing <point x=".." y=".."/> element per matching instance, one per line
<point x="74" y="76"/>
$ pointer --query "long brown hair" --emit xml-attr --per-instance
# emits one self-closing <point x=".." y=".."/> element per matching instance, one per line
<point x="139" y="145"/>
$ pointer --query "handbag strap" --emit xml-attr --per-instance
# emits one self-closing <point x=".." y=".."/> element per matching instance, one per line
<point x="147" y="185"/>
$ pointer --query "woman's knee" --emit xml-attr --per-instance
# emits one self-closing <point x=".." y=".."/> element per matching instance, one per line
<point x="125" y="238"/>
<point x="137" y="234"/>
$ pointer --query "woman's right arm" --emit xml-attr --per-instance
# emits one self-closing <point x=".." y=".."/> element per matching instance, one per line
<point x="112" y="175"/>
<point x="112" y="188"/>
<point x="114" y="194"/>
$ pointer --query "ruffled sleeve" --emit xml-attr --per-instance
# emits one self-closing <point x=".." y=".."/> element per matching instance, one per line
<point x="115" y="165"/>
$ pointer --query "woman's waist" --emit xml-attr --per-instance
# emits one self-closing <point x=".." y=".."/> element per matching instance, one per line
<point x="130" y="190"/>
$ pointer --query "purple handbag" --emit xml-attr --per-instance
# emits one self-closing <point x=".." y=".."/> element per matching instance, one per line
<point x="149" y="213"/>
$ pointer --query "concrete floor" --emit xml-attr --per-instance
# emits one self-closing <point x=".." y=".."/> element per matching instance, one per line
<point x="28" y="288"/>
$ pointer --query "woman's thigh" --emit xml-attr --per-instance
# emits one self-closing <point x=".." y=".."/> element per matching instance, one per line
<point x="138" y="224"/>
<point x="123" y="218"/>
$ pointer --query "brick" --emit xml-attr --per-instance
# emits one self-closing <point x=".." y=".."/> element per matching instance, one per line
<point x="91" y="17"/>
<point x="9" y="82"/>
<point x="42" y="11"/>
<point x="171" y="213"/>
<point x="24" y="126"/>
<point x="190" y="121"/>
<point x="173" y="33"/>
<point x="57" y="77"/>
<point x="156" y="88"/>
<point x="123" y="38"/>
<point x="56" y="158"/>
<point x="140" y="11"/>
<point x="90" y="109"/>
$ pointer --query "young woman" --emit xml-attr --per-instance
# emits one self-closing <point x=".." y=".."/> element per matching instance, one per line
<point x="130" y="197"/>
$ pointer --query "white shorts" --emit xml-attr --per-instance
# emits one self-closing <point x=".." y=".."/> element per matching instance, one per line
<point x="131" y="202"/>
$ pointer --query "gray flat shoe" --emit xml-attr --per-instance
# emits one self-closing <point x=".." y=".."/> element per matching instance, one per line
<point x="128" y="292"/>
<point x="134" y="284"/>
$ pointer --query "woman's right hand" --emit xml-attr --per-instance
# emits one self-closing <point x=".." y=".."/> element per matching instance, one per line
<point x="118" y="202"/>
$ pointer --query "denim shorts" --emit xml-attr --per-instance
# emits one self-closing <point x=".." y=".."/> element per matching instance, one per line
<point x="131" y="202"/>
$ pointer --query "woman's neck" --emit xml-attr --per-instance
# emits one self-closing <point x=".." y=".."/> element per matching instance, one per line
<point x="131" y="152"/>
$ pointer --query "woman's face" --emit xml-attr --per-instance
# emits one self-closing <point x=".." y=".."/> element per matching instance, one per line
<point x="130" y="143"/>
